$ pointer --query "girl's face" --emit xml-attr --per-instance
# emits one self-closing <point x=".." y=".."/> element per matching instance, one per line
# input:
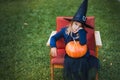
<point x="76" y="26"/>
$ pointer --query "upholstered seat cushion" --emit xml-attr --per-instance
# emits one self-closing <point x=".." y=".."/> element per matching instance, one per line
<point x="57" y="60"/>
<point x="60" y="57"/>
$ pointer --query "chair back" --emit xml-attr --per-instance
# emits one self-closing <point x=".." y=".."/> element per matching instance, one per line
<point x="61" y="22"/>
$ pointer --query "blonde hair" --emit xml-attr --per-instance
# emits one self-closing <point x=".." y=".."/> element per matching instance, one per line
<point x="69" y="29"/>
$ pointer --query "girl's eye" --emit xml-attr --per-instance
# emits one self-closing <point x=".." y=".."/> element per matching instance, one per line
<point x="76" y="24"/>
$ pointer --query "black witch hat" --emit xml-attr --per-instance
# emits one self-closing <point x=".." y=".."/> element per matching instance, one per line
<point x="80" y="15"/>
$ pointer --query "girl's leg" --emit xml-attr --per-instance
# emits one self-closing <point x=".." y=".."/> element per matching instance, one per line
<point x="92" y="74"/>
<point x="84" y="70"/>
<point x="94" y="67"/>
<point x="80" y="69"/>
<point x="67" y="70"/>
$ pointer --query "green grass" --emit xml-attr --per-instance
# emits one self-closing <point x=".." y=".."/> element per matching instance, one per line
<point x="25" y="26"/>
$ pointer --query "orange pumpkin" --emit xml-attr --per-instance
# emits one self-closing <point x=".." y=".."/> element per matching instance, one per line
<point x="75" y="50"/>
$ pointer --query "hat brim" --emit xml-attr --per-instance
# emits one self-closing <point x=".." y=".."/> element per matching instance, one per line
<point x="68" y="19"/>
<point x="71" y="19"/>
<point x="88" y="26"/>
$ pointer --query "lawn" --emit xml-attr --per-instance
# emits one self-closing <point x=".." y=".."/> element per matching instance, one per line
<point x="25" y="26"/>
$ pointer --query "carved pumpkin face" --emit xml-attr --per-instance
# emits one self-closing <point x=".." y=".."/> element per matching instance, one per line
<point x="75" y="50"/>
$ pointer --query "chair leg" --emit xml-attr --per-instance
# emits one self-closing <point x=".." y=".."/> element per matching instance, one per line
<point x="52" y="72"/>
<point x="97" y="76"/>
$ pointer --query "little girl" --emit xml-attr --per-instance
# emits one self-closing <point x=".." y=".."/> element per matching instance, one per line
<point x="76" y="68"/>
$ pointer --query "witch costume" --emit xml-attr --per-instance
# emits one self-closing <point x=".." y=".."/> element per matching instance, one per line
<point x="77" y="68"/>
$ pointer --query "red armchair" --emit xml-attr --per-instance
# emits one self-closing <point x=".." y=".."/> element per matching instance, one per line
<point x="93" y="43"/>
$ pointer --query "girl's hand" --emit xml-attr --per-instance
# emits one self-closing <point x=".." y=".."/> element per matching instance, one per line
<point x="53" y="51"/>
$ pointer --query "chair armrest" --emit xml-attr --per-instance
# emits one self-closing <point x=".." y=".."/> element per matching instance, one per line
<point x="98" y="39"/>
<point x="52" y="33"/>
